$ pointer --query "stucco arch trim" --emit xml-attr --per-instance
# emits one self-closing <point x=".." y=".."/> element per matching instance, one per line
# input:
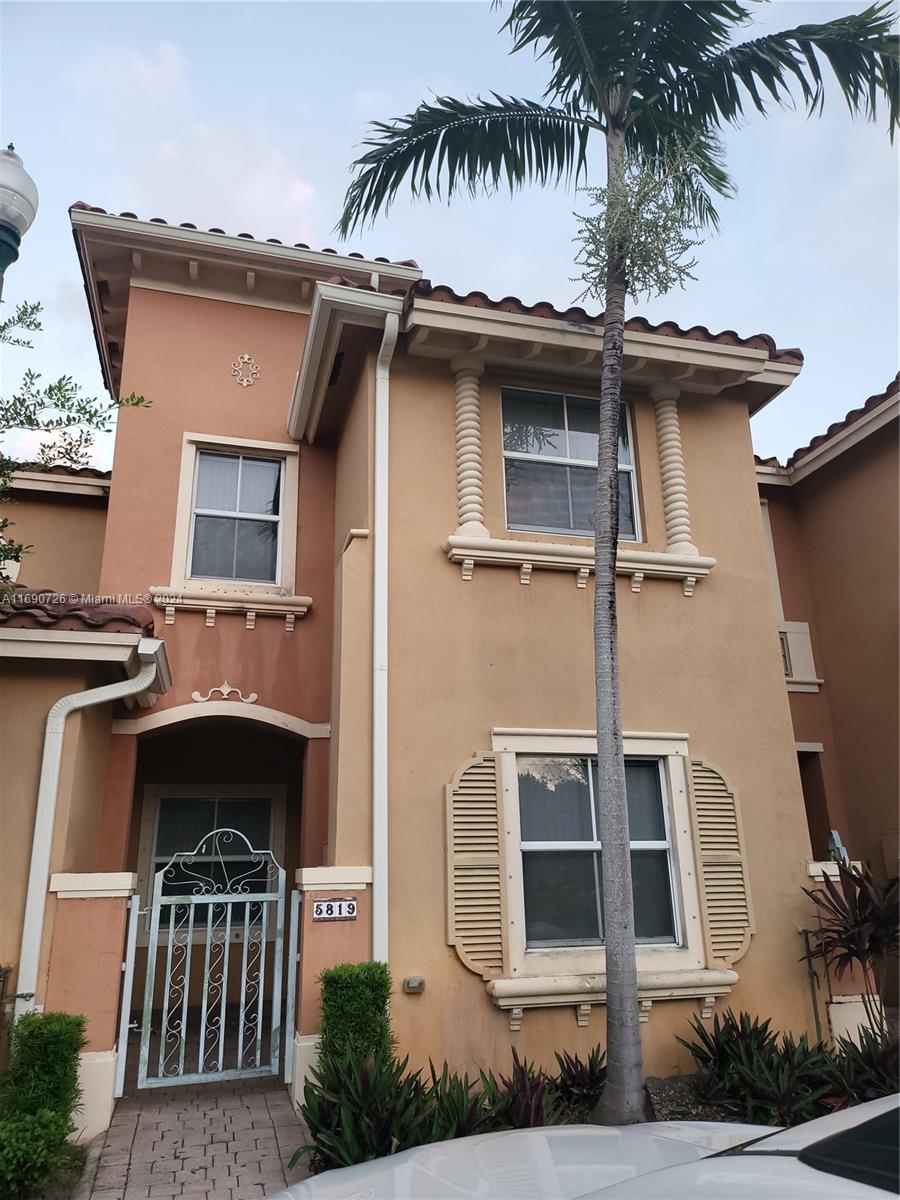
<point x="257" y="713"/>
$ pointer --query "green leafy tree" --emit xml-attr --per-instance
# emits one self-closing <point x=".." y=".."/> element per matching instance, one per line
<point x="60" y="411"/>
<point x="649" y="79"/>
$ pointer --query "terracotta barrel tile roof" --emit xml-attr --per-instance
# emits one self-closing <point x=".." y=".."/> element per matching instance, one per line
<point x="851" y="418"/>
<point x="43" y="608"/>
<point x="62" y="469"/>
<point x="444" y="294"/>
<point x="80" y="206"/>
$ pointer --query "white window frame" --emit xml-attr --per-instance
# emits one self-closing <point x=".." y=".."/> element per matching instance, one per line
<point x="671" y="750"/>
<point x="154" y="792"/>
<point x="283" y="585"/>
<point x="561" y="460"/>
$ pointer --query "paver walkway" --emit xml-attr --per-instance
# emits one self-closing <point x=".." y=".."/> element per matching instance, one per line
<point x="221" y="1140"/>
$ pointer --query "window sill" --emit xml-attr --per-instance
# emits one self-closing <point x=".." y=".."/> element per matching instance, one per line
<point x="583" y="991"/>
<point x="565" y="556"/>
<point x="251" y="605"/>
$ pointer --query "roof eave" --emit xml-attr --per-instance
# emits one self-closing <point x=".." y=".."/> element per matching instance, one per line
<point x="333" y="307"/>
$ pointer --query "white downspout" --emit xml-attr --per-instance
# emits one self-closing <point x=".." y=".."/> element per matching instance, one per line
<point x="380" y="643"/>
<point x="45" y="816"/>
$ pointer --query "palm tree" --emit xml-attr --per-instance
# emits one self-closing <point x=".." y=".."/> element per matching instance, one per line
<point x="652" y="79"/>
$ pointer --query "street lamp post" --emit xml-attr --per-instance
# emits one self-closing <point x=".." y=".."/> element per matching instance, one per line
<point x="18" y="206"/>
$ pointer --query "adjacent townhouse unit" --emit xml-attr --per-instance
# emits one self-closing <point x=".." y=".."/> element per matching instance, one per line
<point x="338" y="701"/>
<point x="831" y="522"/>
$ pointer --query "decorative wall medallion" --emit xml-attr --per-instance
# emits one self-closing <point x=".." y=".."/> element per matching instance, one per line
<point x="225" y="690"/>
<point x="245" y="370"/>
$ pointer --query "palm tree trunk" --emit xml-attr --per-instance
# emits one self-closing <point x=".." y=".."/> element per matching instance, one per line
<point x="623" y="1099"/>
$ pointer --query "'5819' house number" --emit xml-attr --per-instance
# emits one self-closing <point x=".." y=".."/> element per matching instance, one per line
<point x="342" y="908"/>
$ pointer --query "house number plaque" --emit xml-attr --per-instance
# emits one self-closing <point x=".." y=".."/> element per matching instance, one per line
<point x="342" y="908"/>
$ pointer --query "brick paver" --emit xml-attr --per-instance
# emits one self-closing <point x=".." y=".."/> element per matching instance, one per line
<point x="219" y="1141"/>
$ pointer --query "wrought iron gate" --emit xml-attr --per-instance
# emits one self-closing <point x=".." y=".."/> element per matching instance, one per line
<point x="213" y="995"/>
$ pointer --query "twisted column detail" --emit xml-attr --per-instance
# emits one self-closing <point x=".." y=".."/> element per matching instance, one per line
<point x="671" y="461"/>
<point x="469" y="473"/>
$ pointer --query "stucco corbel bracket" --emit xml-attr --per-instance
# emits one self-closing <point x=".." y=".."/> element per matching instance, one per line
<point x="515" y="1020"/>
<point x="582" y="1015"/>
<point x="644" y="1007"/>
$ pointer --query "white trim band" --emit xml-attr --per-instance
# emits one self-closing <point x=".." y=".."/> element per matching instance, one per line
<point x="353" y="879"/>
<point x="93" y="886"/>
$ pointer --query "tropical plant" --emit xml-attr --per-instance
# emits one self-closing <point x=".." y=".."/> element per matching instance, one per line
<point x="866" y="1069"/>
<point x="59" y="410"/>
<point x="745" y="1068"/>
<point x="651" y="79"/>
<point x="522" y="1100"/>
<point x="785" y="1084"/>
<point x="459" y="1106"/>
<point x="580" y="1084"/>
<point x="859" y="926"/>
<point x="359" y="1109"/>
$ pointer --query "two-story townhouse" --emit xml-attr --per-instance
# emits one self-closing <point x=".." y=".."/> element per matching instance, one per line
<point x="359" y="506"/>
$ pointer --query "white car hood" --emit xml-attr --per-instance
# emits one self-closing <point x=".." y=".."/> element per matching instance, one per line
<point x="560" y="1162"/>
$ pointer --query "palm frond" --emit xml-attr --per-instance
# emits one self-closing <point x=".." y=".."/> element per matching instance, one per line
<point x="626" y="41"/>
<point x="861" y="49"/>
<point x="465" y="145"/>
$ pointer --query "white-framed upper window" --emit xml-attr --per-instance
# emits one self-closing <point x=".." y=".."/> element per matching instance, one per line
<point x="236" y="517"/>
<point x="554" y="858"/>
<point x="550" y="464"/>
<point x="562" y="856"/>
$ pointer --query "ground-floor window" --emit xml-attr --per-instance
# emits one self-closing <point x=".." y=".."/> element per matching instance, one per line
<point x="562" y="856"/>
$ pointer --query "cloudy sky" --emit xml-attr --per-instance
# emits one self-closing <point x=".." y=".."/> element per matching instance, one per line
<point x="248" y="115"/>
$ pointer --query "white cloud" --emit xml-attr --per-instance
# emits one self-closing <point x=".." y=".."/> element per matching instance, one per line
<point x="129" y="77"/>
<point x="168" y="161"/>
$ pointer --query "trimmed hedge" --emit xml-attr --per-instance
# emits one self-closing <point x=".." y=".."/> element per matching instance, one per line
<point x="355" y="1018"/>
<point x="38" y="1096"/>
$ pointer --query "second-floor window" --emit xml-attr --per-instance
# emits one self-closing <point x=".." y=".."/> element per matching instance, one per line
<point x="236" y="520"/>
<point x="550" y="464"/>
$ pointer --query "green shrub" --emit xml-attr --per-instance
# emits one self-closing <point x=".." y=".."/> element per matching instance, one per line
<point x="358" y="1109"/>
<point x="355" y="1017"/>
<point x="33" y="1149"/>
<point x="43" y="1069"/>
<point x="38" y="1096"/>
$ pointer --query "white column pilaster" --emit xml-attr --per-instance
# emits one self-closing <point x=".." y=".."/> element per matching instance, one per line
<point x="671" y="462"/>
<point x="469" y="474"/>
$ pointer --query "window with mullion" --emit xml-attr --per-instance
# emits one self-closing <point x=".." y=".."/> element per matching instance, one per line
<point x="236" y="520"/>
<point x="550" y="463"/>
<point x="562" y="861"/>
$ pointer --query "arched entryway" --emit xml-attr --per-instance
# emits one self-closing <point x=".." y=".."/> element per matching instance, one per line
<point x="214" y="841"/>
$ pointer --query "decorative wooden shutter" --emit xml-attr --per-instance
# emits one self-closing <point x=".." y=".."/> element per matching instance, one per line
<point x="476" y="908"/>
<point x="724" y="886"/>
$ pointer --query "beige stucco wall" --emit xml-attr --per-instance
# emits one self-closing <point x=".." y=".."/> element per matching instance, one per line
<point x="466" y="656"/>
<point x="28" y="689"/>
<point x="350" y="759"/>
<point x="65" y="534"/>
<point x="848" y="512"/>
